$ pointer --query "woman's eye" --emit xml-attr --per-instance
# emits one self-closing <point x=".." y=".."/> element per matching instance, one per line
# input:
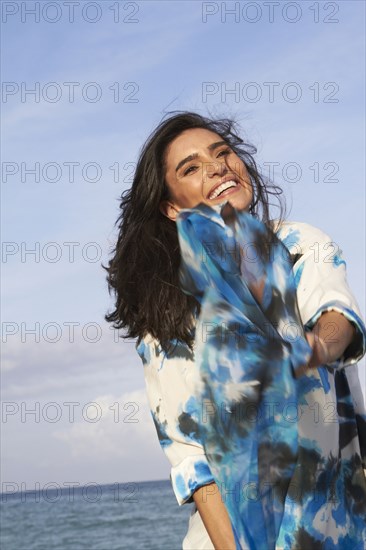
<point x="189" y="170"/>
<point x="224" y="152"/>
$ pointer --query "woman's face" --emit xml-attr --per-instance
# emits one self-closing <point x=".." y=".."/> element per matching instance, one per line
<point x="201" y="167"/>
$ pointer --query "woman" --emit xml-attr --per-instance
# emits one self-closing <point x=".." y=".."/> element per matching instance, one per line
<point x="190" y="160"/>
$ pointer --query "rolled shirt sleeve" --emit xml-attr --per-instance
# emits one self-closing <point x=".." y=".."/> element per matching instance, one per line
<point x="320" y="274"/>
<point x="170" y="383"/>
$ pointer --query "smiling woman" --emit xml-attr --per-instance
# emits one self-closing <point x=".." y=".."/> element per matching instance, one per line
<point x="148" y="246"/>
<point x="211" y="172"/>
<point x="196" y="180"/>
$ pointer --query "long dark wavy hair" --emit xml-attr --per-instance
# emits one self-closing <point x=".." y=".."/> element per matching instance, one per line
<point x="143" y="272"/>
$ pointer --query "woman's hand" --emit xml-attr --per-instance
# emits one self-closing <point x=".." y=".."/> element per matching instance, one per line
<point x="330" y="337"/>
<point x="320" y="355"/>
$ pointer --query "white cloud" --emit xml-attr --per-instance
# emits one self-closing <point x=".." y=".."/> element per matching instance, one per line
<point x="122" y="428"/>
<point x="37" y="370"/>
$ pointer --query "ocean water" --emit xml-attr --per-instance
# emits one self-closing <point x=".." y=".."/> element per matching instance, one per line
<point x="137" y="516"/>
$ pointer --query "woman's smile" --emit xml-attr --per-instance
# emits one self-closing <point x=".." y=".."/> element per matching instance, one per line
<point x="227" y="186"/>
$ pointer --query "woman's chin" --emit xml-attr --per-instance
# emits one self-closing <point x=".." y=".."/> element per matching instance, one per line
<point x="238" y="204"/>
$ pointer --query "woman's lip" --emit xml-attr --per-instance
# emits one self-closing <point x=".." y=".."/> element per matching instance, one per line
<point x="227" y="192"/>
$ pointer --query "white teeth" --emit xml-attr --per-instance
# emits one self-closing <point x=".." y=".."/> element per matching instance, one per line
<point x="221" y="188"/>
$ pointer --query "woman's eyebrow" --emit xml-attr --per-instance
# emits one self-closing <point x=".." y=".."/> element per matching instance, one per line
<point x="187" y="159"/>
<point x="217" y="144"/>
<point x="211" y="147"/>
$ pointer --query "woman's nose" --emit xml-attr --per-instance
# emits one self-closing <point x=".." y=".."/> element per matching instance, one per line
<point x="214" y="168"/>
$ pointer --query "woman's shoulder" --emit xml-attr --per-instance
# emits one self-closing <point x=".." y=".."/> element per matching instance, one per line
<point x="151" y="351"/>
<point x="300" y="233"/>
<point x="148" y="348"/>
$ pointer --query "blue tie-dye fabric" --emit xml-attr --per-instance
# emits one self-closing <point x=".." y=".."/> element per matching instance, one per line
<point x="247" y="351"/>
<point x="249" y="343"/>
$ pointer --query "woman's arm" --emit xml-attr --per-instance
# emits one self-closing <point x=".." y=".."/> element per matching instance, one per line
<point x="214" y="516"/>
<point x="330" y="337"/>
<point x="325" y="297"/>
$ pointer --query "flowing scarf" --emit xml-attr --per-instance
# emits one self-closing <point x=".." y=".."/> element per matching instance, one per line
<point x="249" y="345"/>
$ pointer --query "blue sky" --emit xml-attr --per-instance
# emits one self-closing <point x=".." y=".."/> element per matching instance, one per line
<point x="168" y="59"/>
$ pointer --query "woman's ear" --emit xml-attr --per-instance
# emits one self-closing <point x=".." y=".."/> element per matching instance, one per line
<point x="169" y="210"/>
